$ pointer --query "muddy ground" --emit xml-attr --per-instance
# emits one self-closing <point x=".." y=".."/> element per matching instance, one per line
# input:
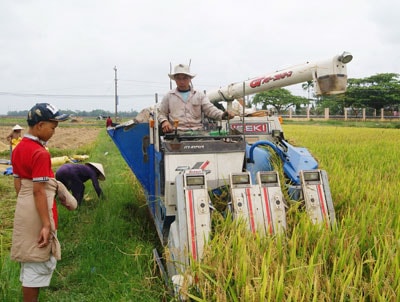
<point x="64" y="138"/>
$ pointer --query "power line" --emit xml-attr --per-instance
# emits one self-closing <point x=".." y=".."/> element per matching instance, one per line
<point x="73" y="95"/>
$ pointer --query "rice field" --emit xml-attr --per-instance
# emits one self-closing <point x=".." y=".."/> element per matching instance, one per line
<point x="358" y="260"/>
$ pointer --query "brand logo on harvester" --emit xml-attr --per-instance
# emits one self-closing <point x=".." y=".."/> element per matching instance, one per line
<point x="260" y="128"/>
<point x="264" y="80"/>
<point x="194" y="147"/>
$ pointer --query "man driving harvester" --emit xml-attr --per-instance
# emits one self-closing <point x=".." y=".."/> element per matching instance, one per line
<point x="186" y="105"/>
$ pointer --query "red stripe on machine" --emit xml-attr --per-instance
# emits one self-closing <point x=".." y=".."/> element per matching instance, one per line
<point x="250" y="207"/>
<point x="192" y="223"/>
<point x="204" y="165"/>
<point x="322" y="204"/>
<point x="268" y="211"/>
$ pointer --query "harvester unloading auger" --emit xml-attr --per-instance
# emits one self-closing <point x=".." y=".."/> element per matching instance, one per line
<point x="181" y="172"/>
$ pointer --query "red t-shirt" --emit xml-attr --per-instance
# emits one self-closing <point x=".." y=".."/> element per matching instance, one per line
<point x="31" y="160"/>
<point x="108" y="122"/>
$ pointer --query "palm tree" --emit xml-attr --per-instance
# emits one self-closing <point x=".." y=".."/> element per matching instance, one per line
<point x="307" y="86"/>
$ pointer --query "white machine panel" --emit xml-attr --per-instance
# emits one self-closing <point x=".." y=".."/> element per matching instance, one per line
<point x="192" y="223"/>
<point x="317" y="198"/>
<point x="272" y="200"/>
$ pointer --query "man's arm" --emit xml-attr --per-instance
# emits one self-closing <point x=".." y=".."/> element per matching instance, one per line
<point x="163" y="110"/>
<point x="213" y="112"/>
<point x="17" y="184"/>
<point x="95" y="181"/>
<point x="9" y="137"/>
<point x="40" y="197"/>
<point x="163" y="115"/>
<point x="96" y="186"/>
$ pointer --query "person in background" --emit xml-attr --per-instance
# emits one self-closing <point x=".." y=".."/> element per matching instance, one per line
<point x="186" y="105"/>
<point x="34" y="240"/>
<point x="73" y="176"/>
<point x="109" y="122"/>
<point x="15" y="136"/>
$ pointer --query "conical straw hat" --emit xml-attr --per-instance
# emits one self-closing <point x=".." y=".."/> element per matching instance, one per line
<point x="98" y="167"/>
<point x="17" y="127"/>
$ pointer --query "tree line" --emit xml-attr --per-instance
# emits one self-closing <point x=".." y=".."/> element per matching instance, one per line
<point x="380" y="91"/>
<point x="93" y="113"/>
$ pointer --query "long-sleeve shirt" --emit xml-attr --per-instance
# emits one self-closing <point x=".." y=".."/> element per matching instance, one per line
<point x="73" y="176"/>
<point x="188" y="113"/>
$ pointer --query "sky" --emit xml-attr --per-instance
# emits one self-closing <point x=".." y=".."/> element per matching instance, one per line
<point x="66" y="52"/>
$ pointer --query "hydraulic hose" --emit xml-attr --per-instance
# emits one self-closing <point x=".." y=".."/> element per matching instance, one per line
<point x="268" y="143"/>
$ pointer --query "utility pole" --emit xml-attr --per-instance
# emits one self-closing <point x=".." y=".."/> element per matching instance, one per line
<point x="116" y="94"/>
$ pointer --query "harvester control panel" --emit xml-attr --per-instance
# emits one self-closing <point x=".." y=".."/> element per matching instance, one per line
<point x="314" y="196"/>
<point x="259" y="205"/>
<point x="273" y="206"/>
<point x="194" y="181"/>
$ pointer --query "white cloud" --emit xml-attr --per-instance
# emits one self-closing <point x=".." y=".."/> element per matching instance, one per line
<point x="71" y="47"/>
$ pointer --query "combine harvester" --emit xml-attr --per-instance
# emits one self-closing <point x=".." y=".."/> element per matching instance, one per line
<point x="180" y="172"/>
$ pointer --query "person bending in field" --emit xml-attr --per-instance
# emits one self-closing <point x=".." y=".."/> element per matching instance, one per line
<point x="73" y="176"/>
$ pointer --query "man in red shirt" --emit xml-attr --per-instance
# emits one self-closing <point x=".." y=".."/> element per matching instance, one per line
<point x="109" y="122"/>
<point x="35" y="221"/>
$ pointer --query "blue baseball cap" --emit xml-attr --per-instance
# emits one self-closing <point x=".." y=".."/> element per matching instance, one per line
<point x="43" y="112"/>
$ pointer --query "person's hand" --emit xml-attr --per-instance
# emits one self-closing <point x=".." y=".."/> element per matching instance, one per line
<point x="166" y="127"/>
<point x="44" y="237"/>
<point x="227" y="115"/>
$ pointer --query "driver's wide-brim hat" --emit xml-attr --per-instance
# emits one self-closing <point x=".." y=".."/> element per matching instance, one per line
<point x="181" y="69"/>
